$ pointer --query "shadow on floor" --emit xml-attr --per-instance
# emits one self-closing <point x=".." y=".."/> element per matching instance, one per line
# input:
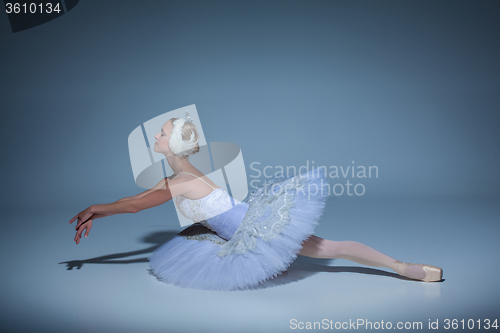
<point x="300" y="269"/>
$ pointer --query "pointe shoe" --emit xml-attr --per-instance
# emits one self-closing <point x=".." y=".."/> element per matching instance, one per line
<point x="432" y="273"/>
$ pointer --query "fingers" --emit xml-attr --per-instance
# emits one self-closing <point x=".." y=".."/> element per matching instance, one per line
<point x="78" y="236"/>
<point x="81" y="221"/>
<point x="79" y="224"/>
<point x="86" y="226"/>
<point x="87" y="229"/>
<point x="83" y="215"/>
<point x="73" y="219"/>
<point x="87" y="216"/>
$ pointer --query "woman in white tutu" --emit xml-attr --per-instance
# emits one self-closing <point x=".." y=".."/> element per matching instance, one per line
<point x="232" y="244"/>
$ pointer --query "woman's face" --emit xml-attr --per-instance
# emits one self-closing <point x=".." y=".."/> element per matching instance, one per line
<point x="162" y="138"/>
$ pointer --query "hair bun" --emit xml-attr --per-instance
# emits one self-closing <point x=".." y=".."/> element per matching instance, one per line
<point x="184" y="138"/>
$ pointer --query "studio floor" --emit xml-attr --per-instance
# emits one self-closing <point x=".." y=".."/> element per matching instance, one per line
<point x="102" y="285"/>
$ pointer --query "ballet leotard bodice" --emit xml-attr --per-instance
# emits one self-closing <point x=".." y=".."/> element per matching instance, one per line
<point x="213" y="210"/>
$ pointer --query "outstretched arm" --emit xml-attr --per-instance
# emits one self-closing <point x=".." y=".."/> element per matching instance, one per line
<point x="118" y="207"/>
<point x="161" y="184"/>
<point x="153" y="199"/>
<point x="164" y="191"/>
<point x="141" y="201"/>
<point x="125" y="205"/>
<point x="98" y="216"/>
<point x="86" y="217"/>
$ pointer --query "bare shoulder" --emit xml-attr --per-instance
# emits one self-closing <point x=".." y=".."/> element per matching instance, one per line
<point x="195" y="174"/>
<point x="177" y="186"/>
<point x="165" y="182"/>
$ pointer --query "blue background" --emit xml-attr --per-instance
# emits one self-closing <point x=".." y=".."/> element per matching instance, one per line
<point x="411" y="87"/>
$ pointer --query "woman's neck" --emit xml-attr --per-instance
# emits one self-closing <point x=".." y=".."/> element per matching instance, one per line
<point x="177" y="164"/>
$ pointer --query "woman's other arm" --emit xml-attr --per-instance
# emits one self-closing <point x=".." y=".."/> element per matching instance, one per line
<point x="125" y="205"/>
<point x="164" y="191"/>
<point x="161" y="184"/>
<point x="140" y="195"/>
<point x="170" y="188"/>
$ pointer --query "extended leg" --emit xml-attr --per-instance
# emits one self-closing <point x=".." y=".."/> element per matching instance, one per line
<point x="317" y="247"/>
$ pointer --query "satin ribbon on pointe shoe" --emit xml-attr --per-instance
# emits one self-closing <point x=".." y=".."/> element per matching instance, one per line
<point x="432" y="273"/>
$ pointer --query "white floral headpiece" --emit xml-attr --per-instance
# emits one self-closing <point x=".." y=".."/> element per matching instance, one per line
<point x="176" y="144"/>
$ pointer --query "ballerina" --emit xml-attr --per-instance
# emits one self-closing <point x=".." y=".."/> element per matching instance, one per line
<point x="237" y="244"/>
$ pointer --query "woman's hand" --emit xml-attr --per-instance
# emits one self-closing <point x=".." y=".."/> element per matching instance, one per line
<point x="87" y="226"/>
<point x="85" y="219"/>
<point x="87" y="216"/>
<point x="84" y="226"/>
<point x="82" y="217"/>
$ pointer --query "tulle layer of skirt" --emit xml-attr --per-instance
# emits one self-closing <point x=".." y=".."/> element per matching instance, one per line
<point x="282" y="214"/>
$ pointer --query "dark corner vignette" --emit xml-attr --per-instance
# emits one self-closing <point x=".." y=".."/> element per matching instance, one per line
<point x="25" y="15"/>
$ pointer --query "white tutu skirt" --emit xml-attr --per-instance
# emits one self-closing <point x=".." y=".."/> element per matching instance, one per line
<point x="268" y="229"/>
